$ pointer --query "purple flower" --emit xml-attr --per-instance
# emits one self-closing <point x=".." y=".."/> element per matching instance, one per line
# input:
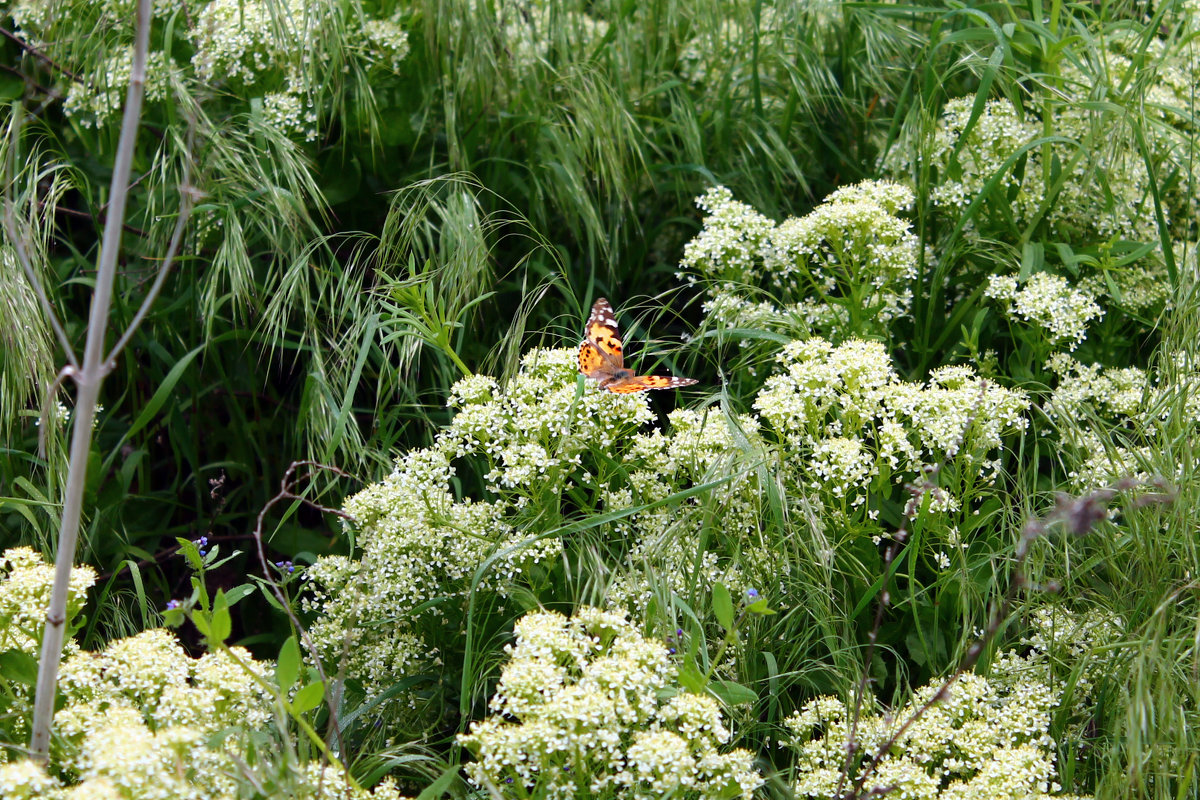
<point x="173" y="604"/>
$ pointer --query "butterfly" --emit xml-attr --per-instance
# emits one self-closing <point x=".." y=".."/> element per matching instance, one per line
<point x="601" y="357"/>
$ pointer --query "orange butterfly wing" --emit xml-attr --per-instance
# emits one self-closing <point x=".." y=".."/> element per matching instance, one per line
<point x="640" y="383"/>
<point x="591" y="360"/>
<point x="603" y="332"/>
<point x="602" y="356"/>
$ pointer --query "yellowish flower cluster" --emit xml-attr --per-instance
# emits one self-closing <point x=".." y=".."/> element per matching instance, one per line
<point x="1059" y="311"/>
<point x="1107" y="416"/>
<point x="990" y="148"/>
<point x="664" y="556"/>
<point x="527" y="26"/>
<point x="137" y="720"/>
<point x="25" y="581"/>
<point x="984" y="740"/>
<point x="726" y="55"/>
<point x="104" y="96"/>
<point x="587" y="705"/>
<point x="1061" y="647"/>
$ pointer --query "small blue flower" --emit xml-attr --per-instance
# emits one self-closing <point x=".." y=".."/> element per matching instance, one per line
<point x="173" y="604"/>
<point x="752" y="594"/>
<point x="671" y="650"/>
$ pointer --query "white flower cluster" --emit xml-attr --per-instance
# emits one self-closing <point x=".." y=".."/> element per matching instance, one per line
<point x="387" y="42"/>
<point x="1059" y="311"/>
<point x="846" y="266"/>
<point x="239" y="40"/>
<point x="984" y="740"/>
<point x="135" y="721"/>
<point x="587" y="705"/>
<point x="732" y="241"/>
<point x="848" y="419"/>
<point x="990" y="149"/>
<point x="1117" y="393"/>
<point x="268" y="49"/>
<point x="421" y="541"/>
<point x="144" y="778"/>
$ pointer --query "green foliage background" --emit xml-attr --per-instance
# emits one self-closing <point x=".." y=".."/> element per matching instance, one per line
<point x="439" y="212"/>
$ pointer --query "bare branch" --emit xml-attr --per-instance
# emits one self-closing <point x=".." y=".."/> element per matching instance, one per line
<point x="33" y="51"/>
<point x="88" y="380"/>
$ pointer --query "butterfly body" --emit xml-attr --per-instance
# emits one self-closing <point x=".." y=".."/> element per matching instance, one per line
<point x="602" y="357"/>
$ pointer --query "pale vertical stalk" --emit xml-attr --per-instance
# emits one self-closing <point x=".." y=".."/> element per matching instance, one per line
<point x="88" y="379"/>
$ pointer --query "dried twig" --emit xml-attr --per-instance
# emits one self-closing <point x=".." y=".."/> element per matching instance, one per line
<point x="286" y="493"/>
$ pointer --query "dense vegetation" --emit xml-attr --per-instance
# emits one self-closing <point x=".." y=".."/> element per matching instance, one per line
<point x="927" y="525"/>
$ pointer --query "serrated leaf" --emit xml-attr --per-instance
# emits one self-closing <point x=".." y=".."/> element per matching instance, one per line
<point x="723" y="606"/>
<point x="309" y="697"/>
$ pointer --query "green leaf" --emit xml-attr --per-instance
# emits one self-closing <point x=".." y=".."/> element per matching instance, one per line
<point x="723" y="606"/>
<point x="191" y="552"/>
<point x="222" y="623"/>
<point x="733" y="694"/>
<point x="287" y="667"/>
<point x="440" y="786"/>
<point x="19" y="666"/>
<point x="691" y="679"/>
<point x="239" y="592"/>
<point x="309" y="697"/>
<point x="200" y="620"/>
<point x="760" y="607"/>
